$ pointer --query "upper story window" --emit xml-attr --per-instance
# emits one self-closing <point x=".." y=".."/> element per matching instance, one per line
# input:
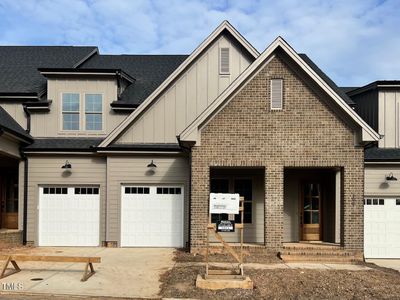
<point x="70" y="111"/>
<point x="224" y="61"/>
<point x="82" y="116"/>
<point x="93" y="112"/>
<point x="276" y="94"/>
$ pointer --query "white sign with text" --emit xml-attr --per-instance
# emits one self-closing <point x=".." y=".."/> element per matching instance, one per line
<point x="224" y="203"/>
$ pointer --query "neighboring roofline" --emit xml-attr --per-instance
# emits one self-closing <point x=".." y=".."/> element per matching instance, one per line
<point x="87" y="57"/>
<point x="382" y="162"/>
<point x="375" y="85"/>
<point x="86" y="71"/>
<point x="225" y="25"/>
<point x="191" y="132"/>
<point x="14" y="134"/>
<point x="120" y="105"/>
<point x="143" y="147"/>
<point x="19" y="96"/>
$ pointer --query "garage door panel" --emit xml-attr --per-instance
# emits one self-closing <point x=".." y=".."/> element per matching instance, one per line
<point x="70" y="219"/>
<point x="153" y="218"/>
<point x="381" y="228"/>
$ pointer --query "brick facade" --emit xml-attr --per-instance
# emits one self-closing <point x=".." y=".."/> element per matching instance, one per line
<point x="306" y="133"/>
<point x="11" y="237"/>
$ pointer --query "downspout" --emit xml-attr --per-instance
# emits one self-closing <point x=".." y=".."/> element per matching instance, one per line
<point x="188" y="150"/>
<point x="25" y="212"/>
<point x="28" y="119"/>
<point x="25" y="159"/>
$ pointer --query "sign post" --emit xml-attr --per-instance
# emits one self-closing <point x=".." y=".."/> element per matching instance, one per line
<point x="225" y="204"/>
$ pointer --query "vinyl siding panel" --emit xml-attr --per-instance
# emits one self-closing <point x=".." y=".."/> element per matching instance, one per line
<point x="367" y="107"/>
<point x="133" y="170"/>
<point x="375" y="183"/>
<point x="56" y="86"/>
<point x="47" y="171"/>
<point x="191" y="93"/>
<point x="16" y="111"/>
<point x="389" y="118"/>
<point x="9" y="146"/>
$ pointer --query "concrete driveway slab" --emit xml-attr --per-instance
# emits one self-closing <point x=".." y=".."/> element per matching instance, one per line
<point x="123" y="272"/>
<point x="387" y="263"/>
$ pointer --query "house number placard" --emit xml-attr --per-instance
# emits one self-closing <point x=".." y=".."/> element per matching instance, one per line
<point x="224" y="203"/>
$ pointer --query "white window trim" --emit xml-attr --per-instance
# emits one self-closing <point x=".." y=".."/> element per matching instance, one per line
<point x="95" y="113"/>
<point x="270" y="85"/>
<point x="220" y="61"/>
<point x="74" y="112"/>
<point x="82" y="114"/>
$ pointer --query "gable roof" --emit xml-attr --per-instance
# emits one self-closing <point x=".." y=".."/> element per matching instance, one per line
<point x="375" y="85"/>
<point x="149" y="71"/>
<point x="326" y="78"/>
<point x="224" y="26"/>
<point x="19" y="65"/>
<point x="191" y="132"/>
<point x="9" y="125"/>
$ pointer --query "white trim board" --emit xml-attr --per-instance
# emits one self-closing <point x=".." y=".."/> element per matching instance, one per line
<point x="191" y="133"/>
<point x="225" y="25"/>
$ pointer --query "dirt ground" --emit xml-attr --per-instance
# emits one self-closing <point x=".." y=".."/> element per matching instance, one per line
<point x="182" y="255"/>
<point x="379" y="283"/>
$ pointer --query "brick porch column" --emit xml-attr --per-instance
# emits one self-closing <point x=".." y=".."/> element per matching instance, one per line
<point x="274" y="207"/>
<point x="199" y="206"/>
<point x="353" y="208"/>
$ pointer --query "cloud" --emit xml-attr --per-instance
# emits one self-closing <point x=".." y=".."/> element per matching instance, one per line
<point x="354" y="42"/>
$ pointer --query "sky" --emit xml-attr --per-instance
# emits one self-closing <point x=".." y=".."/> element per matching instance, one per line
<point x="353" y="41"/>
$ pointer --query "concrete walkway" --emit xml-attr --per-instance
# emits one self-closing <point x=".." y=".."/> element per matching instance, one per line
<point x="387" y="263"/>
<point x="316" y="266"/>
<point x="123" y="272"/>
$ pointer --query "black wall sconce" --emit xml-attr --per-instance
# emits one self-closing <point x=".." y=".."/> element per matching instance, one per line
<point x="67" y="165"/>
<point x="152" y="165"/>
<point x="390" y="177"/>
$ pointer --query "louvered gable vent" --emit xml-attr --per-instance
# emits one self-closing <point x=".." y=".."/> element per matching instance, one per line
<point x="224" y="61"/>
<point x="276" y="94"/>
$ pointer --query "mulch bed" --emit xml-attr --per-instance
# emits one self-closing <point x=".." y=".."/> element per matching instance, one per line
<point x="379" y="283"/>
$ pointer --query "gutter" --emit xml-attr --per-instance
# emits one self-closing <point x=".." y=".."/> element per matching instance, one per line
<point x="25" y="211"/>
<point x="28" y="118"/>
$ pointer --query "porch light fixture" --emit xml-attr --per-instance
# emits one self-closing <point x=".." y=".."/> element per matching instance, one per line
<point x="152" y="165"/>
<point x="67" y="165"/>
<point x="390" y="177"/>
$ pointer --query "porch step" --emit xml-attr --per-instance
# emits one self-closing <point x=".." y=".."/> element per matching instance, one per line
<point x="319" y="253"/>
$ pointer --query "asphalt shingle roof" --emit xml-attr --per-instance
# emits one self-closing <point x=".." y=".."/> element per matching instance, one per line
<point x="382" y="154"/>
<point x="7" y="123"/>
<point x="19" y="65"/>
<point x="64" y="144"/>
<point x="148" y="70"/>
<point x="325" y="77"/>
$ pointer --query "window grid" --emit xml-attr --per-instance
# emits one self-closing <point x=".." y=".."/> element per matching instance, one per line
<point x="71" y="111"/>
<point x="137" y="190"/>
<point x="86" y="191"/>
<point x="93" y="112"/>
<point x="55" y="190"/>
<point x="374" y="201"/>
<point x="169" y="190"/>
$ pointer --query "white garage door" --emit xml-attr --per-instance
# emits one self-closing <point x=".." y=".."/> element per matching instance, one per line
<point x="69" y="216"/>
<point x="152" y="216"/>
<point x="382" y="228"/>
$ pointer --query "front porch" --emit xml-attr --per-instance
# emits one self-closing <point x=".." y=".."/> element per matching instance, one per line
<point x="10" y="234"/>
<point x="312" y="205"/>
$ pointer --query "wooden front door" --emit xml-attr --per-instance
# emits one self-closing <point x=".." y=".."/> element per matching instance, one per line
<point x="9" y="202"/>
<point x="310" y="212"/>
